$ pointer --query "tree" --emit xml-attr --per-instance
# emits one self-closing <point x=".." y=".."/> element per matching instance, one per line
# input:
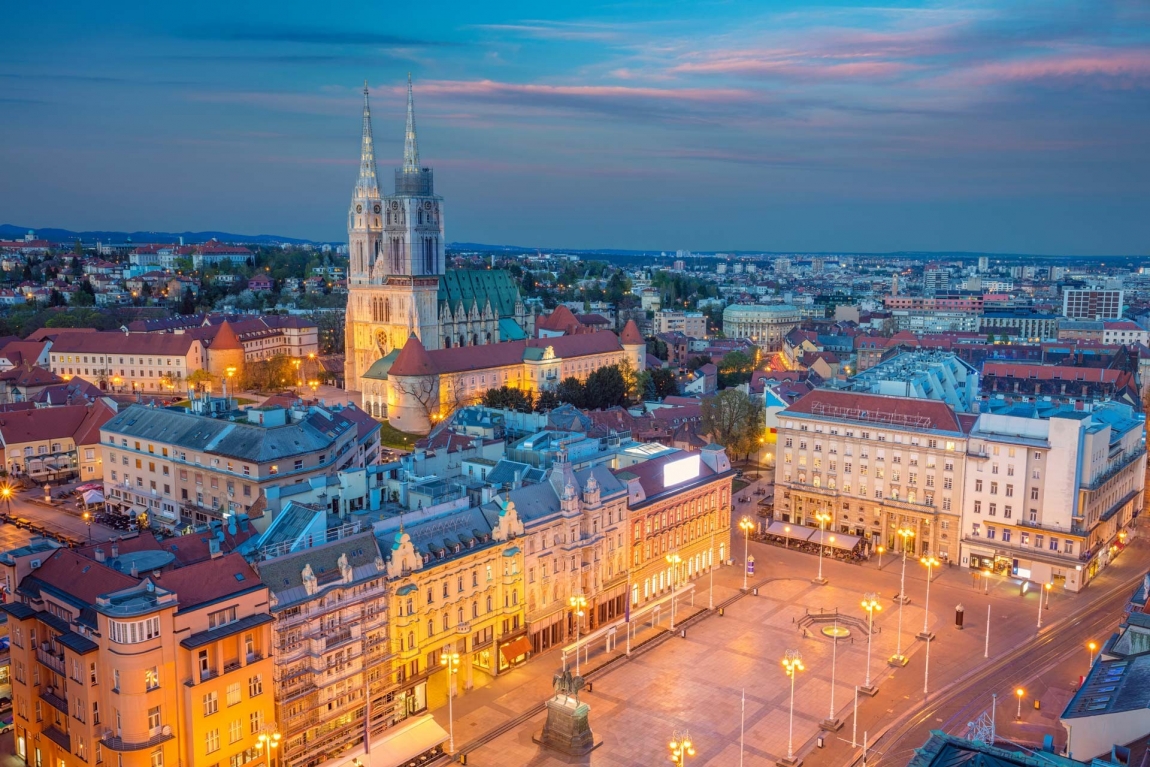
<point x="78" y="249"/>
<point x="657" y="347"/>
<point x="546" y="402"/>
<point x="697" y="362"/>
<point x="663" y="382"/>
<point x="507" y="398"/>
<point x="605" y="388"/>
<point x="733" y="420"/>
<point x="199" y="376"/>
<point x="734" y="369"/>
<point x="187" y="302"/>
<point x="56" y="298"/>
<point x="85" y="295"/>
<point x="571" y="391"/>
<point x="424" y="391"/>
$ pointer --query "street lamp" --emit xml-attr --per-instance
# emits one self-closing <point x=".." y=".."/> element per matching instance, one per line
<point x="1047" y="589"/>
<point x="296" y="363"/>
<point x="1019" y="693"/>
<point x="673" y="559"/>
<point x="822" y="518"/>
<point x="450" y="662"/>
<point x="1091" y="646"/>
<point x="881" y="549"/>
<point x="681" y="747"/>
<point x="578" y="604"/>
<point x="6" y="494"/>
<point x="269" y="739"/>
<point x="793" y="663"/>
<point x="88" y="522"/>
<point x="746" y="525"/>
<point x="906" y="534"/>
<point x="870" y="604"/>
<point x="787" y="530"/>
<point x="930" y="563"/>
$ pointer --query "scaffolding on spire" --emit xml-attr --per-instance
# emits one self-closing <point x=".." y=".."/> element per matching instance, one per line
<point x="410" y="146"/>
<point x="368" y="184"/>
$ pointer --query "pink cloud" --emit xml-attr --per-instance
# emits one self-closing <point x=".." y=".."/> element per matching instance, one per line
<point x="492" y="89"/>
<point x="797" y="69"/>
<point x="1124" y="69"/>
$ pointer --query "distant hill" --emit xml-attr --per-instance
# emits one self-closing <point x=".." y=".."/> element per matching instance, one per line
<point x="9" y="231"/>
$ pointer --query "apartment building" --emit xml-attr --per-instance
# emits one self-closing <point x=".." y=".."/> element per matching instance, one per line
<point x="181" y="468"/>
<point x="876" y="464"/>
<point x="1092" y="304"/>
<point x="53" y="444"/>
<point x="332" y="648"/>
<point x="455" y="580"/>
<point x="129" y="658"/>
<point x="690" y="324"/>
<point x="575" y="543"/>
<point x="129" y="362"/>
<point x="1050" y="495"/>
<point x="677" y="504"/>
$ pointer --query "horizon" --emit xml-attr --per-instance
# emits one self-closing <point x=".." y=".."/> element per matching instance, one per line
<point x="995" y="128"/>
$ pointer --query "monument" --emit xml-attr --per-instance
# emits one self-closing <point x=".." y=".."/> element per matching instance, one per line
<point x="567" y="729"/>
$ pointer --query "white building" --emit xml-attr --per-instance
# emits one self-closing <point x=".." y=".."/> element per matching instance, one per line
<point x="764" y="325"/>
<point x="1092" y="304"/>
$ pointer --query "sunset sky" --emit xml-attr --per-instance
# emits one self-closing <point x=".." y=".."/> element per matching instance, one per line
<point x="777" y="126"/>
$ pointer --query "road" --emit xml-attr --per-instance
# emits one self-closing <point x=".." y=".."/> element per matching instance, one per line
<point x="62" y="518"/>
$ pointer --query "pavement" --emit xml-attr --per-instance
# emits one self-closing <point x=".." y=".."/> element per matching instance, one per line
<point x="62" y="516"/>
<point x="697" y="683"/>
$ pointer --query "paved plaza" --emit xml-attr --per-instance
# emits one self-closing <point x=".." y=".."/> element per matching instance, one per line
<point x="697" y="683"/>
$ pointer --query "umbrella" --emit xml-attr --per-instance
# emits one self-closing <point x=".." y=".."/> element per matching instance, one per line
<point x="93" y="497"/>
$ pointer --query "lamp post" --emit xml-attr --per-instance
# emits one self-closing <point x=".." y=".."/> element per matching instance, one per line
<point x="906" y="534"/>
<point x="823" y="518"/>
<point x="1048" y="587"/>
<point x="711" y="563"/>
<point x="832" y="722"/>
<point x="673" y="559"/>
<point x="269" y="739"/>
<point x="986" y="580"/>
<point x="930" y="563"/>
<point x="1019" y="693"/>
<point x="450" y="662"/>
<point x="1091" y="646"/>
<point x="6" y="494"/>
<point x="88" y="522"/>
<point x="793" y="663"/>
<point x="681" y="747"/>
<point x="870" y="604"/>
<point x="1040" y="607"/>
<point x="746" y="525"/>
<point x="881" y="549"/>
<point x="299" y="381"/>
<point x="578" y="603"/>
<point x="787" y="530"/>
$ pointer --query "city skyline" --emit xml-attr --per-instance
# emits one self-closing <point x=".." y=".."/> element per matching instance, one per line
<point x="976" y="127"/>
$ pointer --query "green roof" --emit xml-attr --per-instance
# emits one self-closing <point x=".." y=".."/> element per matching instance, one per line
<point x="477" y="286"/>
<point x="509" y="330"/>
<point x="382" y="366"/>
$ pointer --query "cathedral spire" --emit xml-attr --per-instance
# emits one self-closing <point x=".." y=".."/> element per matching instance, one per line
<point x="368" y="183"/>
<point x="410" y="147"/>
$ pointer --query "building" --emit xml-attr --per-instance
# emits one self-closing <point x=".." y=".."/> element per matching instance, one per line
<point x="678" y="511"/>
<point x="1124" y="332"/>
<point x="1058" y="384"/>
<point x="214" y="254"/>
<point x="935" y="320"/>
<point x="1048" y="494"/>
<point x="1092" y="304"/>
<point x="135" y="659"/>
<point x="935" y="280"/>
<point x="261" y="337"/>
<point x="690" y="324"/>
<point x="921" y="374"/>
<point x="1030" y="326"/>
<point x="328" y="594"/>
<point x="943" y="749"/>
<point x="764" y="325"/>
<point x="397" y="280"/>
<point x="54" y="444"/>
<point x="876" y="464"/>
<point x="416" y="387"/>
<point x="181" y="469"/>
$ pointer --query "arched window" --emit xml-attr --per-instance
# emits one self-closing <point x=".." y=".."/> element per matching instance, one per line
<point x="447" y="342"/>
<point x="474" y="609"/>
<point x="430" y="627"/>
<point x="462" y="340"/>
<point x="489" y="604"/>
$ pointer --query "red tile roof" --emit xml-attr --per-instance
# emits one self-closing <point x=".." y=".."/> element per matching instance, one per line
<point x="42" y="423"/>
<point x="1049" y="372"/>
<point x="459" y="359"/>
<point x="226" y="338"/>
<point x="413" y="359"/>
<point x="81" y="577"/>
<point x="88" y="432"/>
<point x="33" y="375"/>
<point x="210" y="580"/>
<point x="877" y="409"/>
<point x="116" y="342"/>
<point x="631" y="334"/>
<point x="561" y="319"/>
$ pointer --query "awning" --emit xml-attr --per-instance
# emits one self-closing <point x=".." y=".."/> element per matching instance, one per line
<point x="516" y="648"/>
<point x="793" y="532"/>
<point x="839" y="540"/>
<point x="404" y="742"/>
<point x="93" y="497"/>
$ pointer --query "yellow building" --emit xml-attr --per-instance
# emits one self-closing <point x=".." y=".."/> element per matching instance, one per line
<point x="456" y="587"/>
<point x="134" y="660"/>
<point x="54" y="444"/>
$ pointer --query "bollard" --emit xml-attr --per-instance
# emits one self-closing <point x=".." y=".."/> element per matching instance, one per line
<point x="755" y="591"/>
<point x="589" y="686"/>
<point x="958" y="614"/>
<point x="819" y="740"/>
<point x="683" y="633"/>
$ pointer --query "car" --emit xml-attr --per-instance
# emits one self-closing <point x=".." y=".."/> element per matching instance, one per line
<point x="5" y="722"/>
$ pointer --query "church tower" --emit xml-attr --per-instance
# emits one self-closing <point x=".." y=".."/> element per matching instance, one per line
<point x="397" y="254"/>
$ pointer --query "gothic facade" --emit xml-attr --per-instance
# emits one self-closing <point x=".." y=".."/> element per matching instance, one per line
<point x="397" y="279"/>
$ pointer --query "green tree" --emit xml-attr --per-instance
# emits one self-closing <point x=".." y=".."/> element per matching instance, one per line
<point x="187" y="303"/>
<point x="507" y="398"/>
<point x="657" y="347"/>
<point x="734" y="369"/>
<point x="733" y="420"/>
<point x="572" y="391"/>
<point x="78" y="249"/>
<point x="85" y="295"/>
<point x="56" y="298"/>
<point x="606" y="387"/>
<point x="663" y="383"/>
<point x="547" y="401"/>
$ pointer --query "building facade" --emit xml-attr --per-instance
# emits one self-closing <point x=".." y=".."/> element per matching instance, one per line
<point x="690" y="324"/>
<point x="876" y="464"/>
<point x="764" y="325"/>
<point x="129" y="362"/>
<point x="1092" y="304"/>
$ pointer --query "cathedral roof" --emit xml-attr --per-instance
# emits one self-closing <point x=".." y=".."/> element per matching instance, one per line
<point x="226" y="338"/>
<point x="465" y="286"/>
<point x="461" y="359"/>
<point x="631" y="334"/>
<point x="509" y="330"/>
<point x="382" y="366"/>
<point x="413" y="360"/>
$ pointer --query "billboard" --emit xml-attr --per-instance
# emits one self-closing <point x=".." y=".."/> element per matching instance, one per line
<point x="681" y="470"/>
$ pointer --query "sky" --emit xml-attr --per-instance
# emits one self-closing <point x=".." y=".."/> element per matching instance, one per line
<point x="974" y="125"/>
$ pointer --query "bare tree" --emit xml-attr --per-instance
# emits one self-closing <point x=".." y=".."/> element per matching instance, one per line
<point x="424" y="390"/>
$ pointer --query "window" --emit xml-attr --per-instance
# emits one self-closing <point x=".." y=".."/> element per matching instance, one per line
<point x="233" y="693"/>
<point x="1006" y="535"/>
<point x="211" y="703"/>
<point x="212" y="741"/>
<point x="154" y="718"/>
<point x="994" y="488"/>
<point x="257" y="721"/>
<point x="235" y="731"/>
<point x="156" y="758"/>
<point x="990" y="532"/>
<point x="1009" y="491"/>
<point x="1053" y="543"/>
<point x="135" y="631"/>
<point x="993" y="509"/>
<point x="221" y="617"/>
<point x="978" y="507"/>
<point x="1034" y="493"/>
<point x="255" y="685"/>
<point x="152" y="678"/>
<point x="978" y="485"/>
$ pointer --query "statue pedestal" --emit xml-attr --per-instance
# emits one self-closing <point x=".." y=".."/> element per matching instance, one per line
<point x="567" y="729"/>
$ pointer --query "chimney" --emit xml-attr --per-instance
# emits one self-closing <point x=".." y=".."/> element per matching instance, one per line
<point x="214" y="547"/>
<point x="135" y="570"/>
<point x="115" y="549"/>
<point x="99" y="555"/>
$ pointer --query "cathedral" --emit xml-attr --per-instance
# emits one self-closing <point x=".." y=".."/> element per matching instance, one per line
<point x="398" y="285"/>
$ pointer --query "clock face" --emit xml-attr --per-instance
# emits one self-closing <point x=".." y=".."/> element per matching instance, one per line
<point x="359" y="209"/>
<point x="377" y="208"/>
<point x="427" y="205"/>
<point x="394" y="205"/>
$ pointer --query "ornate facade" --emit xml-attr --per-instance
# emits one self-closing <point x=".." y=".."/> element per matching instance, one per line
<point x="397" y="279"/>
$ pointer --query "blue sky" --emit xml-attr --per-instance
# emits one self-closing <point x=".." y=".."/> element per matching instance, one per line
<point x="957" y="125"/>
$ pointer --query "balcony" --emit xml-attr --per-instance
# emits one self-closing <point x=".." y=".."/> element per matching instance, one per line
<point x="59" y="737"/>
<point x="1032" y="552"/>
<point x="1072" y="530"/>
<point x="54" y="661"/>
<point x="49" y="696"/>
<point x="120" y="744"/>
<point x="1120" y="464"/>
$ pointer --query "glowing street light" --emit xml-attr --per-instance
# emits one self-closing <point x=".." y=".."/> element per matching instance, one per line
<point x="1046" y="588"/>
<point x="793" y="663"/>
<point x="88" y="522"/>
<point x="930" y="563"/>
<point x="870" y="604"/>
<point x="269" y="739"/>
<point x="1091" y="646"/>
<point x="822" y="518"/>
<point x="681" y="747"/>
<point x="450" y="662"/>
<point x="898" y="659"/>
<point x="578" y="605"/>
<point x="6" y="496"/>
<point x="881" y="549"/>
<point x="1019" y="693"/>
<point x="746" y="525"/>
